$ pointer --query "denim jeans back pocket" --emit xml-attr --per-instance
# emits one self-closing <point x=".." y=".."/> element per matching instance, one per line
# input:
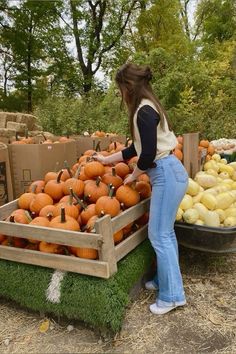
<point x="179" y="172"/>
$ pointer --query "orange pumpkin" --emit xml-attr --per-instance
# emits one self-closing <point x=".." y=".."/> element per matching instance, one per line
<point x="132" y="163"/>
<point x="25" y="199"/>
<point x="210" y="149"/>
<point x="76" y="184"/>
<point x="20" y="216"/>
<point x="50" y="248"/>
<point x="40" y="201"/>
<point x="118" y="236"/>
<point x="54" y="188"/>
<point x="39" y="186"/>
<point x="94" y="169"/>
<point x="204" y="143"/>
<point x="144" y="189"/>
<point x="64" y="222"/>
<point x="112" y="178"/>
<point x="48" y="210"/>
<point x="178" y="153"/>
<point x="108" y="205"/>
<point x="88" y="253"/>
<point x="122" y="169"/>
<point x="127" y="195"/>
<point x="95" y="189"/>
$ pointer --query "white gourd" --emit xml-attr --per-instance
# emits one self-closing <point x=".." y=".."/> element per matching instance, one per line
<point x="199" y="222"/>
<point x="197" y="198"/>
<point x="212" y="219"/>
<point x="230" y="212"/>
<point x="193" y="187"/>
<point x="209" y="201"/>
<point x="179" y="214"/>
<point x="221" y="214"/>
<point x="202" y="210"/>
<point x="230" y="221"/>
<point x="190" y="216"/>
<point x="224" y="200"/>
<point x="187" y="202"/>
<point x="205" y="180"/>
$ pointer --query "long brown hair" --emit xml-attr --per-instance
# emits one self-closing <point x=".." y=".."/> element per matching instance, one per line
<point x="134" y="83"/>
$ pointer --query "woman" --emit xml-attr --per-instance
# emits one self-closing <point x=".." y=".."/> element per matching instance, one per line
<point x="153" y="142"/>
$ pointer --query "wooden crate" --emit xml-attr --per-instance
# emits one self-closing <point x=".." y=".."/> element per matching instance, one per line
<point x="102" y="240"/>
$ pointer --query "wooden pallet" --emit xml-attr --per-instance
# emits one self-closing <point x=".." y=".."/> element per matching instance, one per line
<point x="101" y="240"/>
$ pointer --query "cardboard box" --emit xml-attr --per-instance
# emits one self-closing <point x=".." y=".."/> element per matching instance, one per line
<point x="84" y="143"/>
<point x="31" y="162"/>
<point x="6" y="193"/>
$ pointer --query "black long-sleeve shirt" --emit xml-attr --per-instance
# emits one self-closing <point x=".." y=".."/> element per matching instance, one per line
<point x="147" y="122"/>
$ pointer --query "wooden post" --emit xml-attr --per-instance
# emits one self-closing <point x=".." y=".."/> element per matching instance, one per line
<point x="107" y="252"/>
<point x="190" y="151"/>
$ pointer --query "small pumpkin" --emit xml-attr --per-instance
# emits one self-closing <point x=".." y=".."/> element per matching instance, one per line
<point x="112" y="178"/>
<point x="127" y="195"/>
<point x="39" y="186"/>
<point x="108" y="204"/>
<point x="94" y="169"/>
<point x="54" y="188"/>
<point x="122" y="169"/>
<point x="95" y="189"/>
<point x="40" y="201"/>
<point x="65" y="222"/>
<point x="144" y="189"/>
<point x="76" y="184"/>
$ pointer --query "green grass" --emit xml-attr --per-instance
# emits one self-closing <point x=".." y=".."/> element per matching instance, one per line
<point x="98" y="302"/>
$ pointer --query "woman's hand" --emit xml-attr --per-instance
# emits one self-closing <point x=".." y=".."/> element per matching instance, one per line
<point x="100" y="158"/>
<point x="129" y="179"/>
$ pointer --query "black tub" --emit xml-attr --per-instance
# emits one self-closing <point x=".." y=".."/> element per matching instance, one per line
<point x="205" y="238"/>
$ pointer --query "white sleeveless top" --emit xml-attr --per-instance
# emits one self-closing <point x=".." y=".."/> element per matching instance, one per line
<point x="166" y="139"/>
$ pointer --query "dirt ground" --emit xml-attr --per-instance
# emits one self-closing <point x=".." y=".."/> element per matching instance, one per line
<point x="206" y="325"/>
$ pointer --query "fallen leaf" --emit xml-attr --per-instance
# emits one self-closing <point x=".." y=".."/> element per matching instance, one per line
<point x="43" y="328"/>
<point x="217" y="320"/>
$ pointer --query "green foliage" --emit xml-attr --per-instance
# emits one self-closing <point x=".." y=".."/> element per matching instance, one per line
<point x="99" y="303"/>
<point x="95" y="111"/>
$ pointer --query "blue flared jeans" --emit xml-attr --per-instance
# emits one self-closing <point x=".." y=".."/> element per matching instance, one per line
<point x="169" y="181"/>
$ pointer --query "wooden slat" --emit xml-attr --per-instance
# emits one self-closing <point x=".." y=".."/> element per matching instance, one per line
<point x="7" y="209"/>
<point x="130" y="215"/>
<point x="190" y="153"/>
<point x="107" y="251"/>
<point x="67" y="263"/>
<point x="123" y="248"/>
<point x="61" y="237"/>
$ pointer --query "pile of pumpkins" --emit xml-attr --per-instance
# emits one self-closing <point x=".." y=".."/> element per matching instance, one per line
<point x="211" y="196"/>
<point x="74" y="198"/>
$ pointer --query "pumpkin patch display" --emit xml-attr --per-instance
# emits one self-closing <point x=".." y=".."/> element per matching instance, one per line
<point x="74" y="198"/>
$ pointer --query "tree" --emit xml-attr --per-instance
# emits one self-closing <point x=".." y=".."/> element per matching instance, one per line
<point x="216" y="20"/>
<point x="26" y="36"/>
<point x="97" y="27"/>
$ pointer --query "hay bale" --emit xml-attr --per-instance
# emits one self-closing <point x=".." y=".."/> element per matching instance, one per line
<point x="27" y="119"/>
<point x="3" y="119"/>
<point x="7" y="133"/>
<point x="18" y="127"/>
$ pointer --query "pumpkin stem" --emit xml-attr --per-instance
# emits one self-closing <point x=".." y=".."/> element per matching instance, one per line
<point x="59" y="176"/>
<point x="50" y="216"/>
<point x="127" y="141"/>
<point x="77" y="173"/>
<point x="113" y="172"/>
<point x="122" y="206"/>
<point x="32" y="214"/>
<point x="26" y="133"/>
<point x="44" y="137"/>
<point x="71" y="196"/>
<point x="12" y="218"/>
<point x="111" y="190"/>
<point x="98" y="180"/>
<point x="79" y="201"/>
<point x="63" y="215"/>
<point x="17" y="136"/>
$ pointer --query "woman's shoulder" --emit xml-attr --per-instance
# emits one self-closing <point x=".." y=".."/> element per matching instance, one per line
<point x="147" y="102"/>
